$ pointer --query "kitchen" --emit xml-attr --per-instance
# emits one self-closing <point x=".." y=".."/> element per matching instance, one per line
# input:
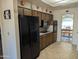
<point x="47" y="36"/>
<point x="49" y="23"/>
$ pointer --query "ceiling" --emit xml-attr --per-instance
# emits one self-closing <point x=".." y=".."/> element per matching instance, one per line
<point x="56" y="3"/>
<point x="42" y="4"/>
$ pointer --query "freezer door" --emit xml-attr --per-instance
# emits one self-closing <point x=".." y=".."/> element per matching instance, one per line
<point x="34" y="35"/>
<point x="25" y="46"/>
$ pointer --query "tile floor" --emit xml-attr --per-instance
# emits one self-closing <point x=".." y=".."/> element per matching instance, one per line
<point x="59" y="50"/>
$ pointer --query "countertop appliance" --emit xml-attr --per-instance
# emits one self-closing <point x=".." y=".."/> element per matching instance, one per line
<point x="29" y="37"/>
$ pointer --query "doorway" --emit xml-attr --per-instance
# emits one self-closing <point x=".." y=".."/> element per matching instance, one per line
<point x="67" y="27"/>
<point x="1" y="51"/>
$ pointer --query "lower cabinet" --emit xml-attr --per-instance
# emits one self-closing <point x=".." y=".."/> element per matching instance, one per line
<point x="42" y="42"/>
<point x="46" y="40"/>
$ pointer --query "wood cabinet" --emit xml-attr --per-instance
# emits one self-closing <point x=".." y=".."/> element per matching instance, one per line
<point x="34" y="12"/>
<point x="47" y="17"/>
<point x="42" y="42"/>
<point x="50" y="38"/>
<point x="20" y="11"/>
<point x="27" y="12"/>
<point x="46" y="40"/>
<point x="43" y="16"/>
<point x="55" y="36"/>
<point x="51" y="19"/>
<point x="39" y="15"/>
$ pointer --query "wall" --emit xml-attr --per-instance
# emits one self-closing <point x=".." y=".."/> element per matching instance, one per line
<point x="58" y="16"/>
<point x="0" y="13"/>
<point x="9" y="27"/>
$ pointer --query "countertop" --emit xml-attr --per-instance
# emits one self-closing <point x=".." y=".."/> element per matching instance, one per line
<point x="44" y="33"/>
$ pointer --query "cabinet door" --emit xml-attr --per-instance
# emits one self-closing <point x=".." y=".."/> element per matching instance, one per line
<point x="20" y="11"/>
<point x="48" y="39"/>
<point x="51" y="37"/>
<point x="35" y="13"/>
<point x="50" y="19"/>
<point x="27" y="12"/>
<point x="55" y="37"/>
<point x="39" y="15"/>
<point x="47" y="17"/>
<point x="43" y="16"/>
<point x="42" y="42"/>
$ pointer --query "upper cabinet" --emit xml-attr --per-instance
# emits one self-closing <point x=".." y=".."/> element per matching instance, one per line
<point x="28" y="12"/>
<point x="42" y="16"/>
<point x="20" y="11"/>
<point x="47" y="17"/>
<point x="24" y="11"/>
<point x="34" y="12"/>
<point x="51" y="19"/>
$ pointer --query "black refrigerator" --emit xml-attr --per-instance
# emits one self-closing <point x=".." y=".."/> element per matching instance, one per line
<point x="29" y="37"/>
